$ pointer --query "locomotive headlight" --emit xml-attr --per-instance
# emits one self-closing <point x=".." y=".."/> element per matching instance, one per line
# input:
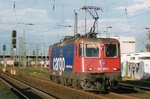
<point x="115" y="69"/>
<point x="90" y="69"/>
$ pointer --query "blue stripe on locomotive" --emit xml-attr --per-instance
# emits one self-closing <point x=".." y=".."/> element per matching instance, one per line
<point x="61" y="60"/>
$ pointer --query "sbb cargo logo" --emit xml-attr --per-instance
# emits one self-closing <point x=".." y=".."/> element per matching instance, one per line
<point x="59" y="64"/>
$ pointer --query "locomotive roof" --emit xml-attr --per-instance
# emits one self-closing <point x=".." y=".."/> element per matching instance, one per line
<point x="108" y="40"/>
<point x="85" y="39"/>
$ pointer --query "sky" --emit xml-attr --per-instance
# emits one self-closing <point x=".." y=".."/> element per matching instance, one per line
<point x="50" y="20"/>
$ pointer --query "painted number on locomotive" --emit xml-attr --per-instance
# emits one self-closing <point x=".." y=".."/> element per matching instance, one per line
<point x="59" y="64"/>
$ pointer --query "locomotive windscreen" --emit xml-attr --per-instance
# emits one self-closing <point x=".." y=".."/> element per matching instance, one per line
<point x="92" y="50"/>
<point x="111" y="50"/>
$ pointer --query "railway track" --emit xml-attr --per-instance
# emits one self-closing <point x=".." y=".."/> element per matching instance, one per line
<point x="111" y="95"/>
<point x="132" y="87"/>
<point x="67" y="92"/>
<point x="57" y="90"/>
<point x="24" y="91"/>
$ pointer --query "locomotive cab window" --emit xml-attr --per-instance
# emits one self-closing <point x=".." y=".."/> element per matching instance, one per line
<point x="111" y="50"/>
<point x="92" y="50"/>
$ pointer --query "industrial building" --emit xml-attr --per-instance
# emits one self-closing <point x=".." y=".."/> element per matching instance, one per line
<point x="127" y="44"/>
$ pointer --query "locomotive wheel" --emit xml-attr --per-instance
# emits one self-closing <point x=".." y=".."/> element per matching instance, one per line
<point x="115" y="84"/>
<point x="63" y="81"/>
<point x="105" y="91"/>
<point x="56" y="80"/>
<point x="70" y="81"/>
<point x="76" y="84"/>
<point x="51" y="77"/>
<point x="66" y="82"/>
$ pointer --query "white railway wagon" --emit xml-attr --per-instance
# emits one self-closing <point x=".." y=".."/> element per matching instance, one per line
<point x="136" y="65"/>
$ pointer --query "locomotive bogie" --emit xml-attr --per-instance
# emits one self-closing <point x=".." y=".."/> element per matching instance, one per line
<point x="88" y="81"/>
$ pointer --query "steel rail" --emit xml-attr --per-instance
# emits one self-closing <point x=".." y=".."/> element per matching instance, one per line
<point x="15" y="89"/>
<point x="131" y="86"/>
<point x="32" y="88"/>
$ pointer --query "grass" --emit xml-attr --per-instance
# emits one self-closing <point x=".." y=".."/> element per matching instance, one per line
<point x="35" y="71"/>
<point x="139" y="90"/>
<point x="6" y="93"/>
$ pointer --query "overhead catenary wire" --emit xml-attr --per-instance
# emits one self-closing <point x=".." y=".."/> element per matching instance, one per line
<point x="125" y="14"/>
<point x="14" y="5"/>
<point x="126" y="10"/>
<point x="18" y="20"/>
<point x="105" y="4"/>
<point x="53" y="5"/>
<point x="14" y="11"/>
<point x="35" y="2"/>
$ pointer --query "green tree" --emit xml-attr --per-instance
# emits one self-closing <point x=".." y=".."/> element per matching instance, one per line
<point x="147" y="46"/>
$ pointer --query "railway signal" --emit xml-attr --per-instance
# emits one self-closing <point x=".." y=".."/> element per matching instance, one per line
<point x="4" y="47"/>
<point x="13" y="44"/>
<point x="14" y="40"/>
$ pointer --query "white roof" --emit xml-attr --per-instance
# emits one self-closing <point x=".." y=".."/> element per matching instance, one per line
<point x="141" y="54"/>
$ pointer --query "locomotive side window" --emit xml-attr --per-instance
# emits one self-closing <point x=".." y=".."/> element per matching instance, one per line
<point x="92" y="50"/>
<point x="61" y="52"/>
<point x="81" y="50"/>
<point x="55" y="53"/>
<point x="111" y="50"/>
<point x="68" y="52"/>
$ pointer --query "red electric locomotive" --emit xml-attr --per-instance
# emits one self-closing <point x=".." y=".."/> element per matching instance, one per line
<point x="86" y="62"/>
